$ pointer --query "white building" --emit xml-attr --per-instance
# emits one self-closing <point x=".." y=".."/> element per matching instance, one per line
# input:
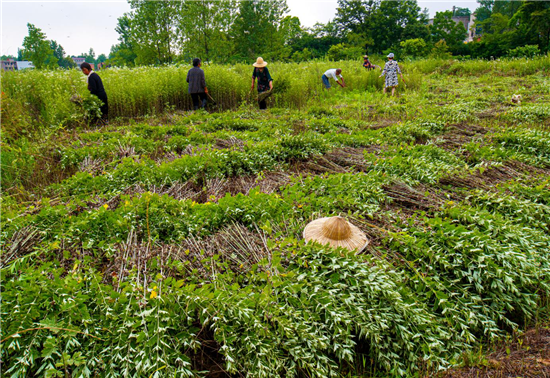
<point x="24" y="64"/>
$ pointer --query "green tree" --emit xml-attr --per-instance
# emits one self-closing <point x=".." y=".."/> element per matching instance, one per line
<point x="204" y="28"/>
<point x="153" y="30"/>
<point x="461" y="12"/>
<point x="533" y="17"/>
<point x="57" y="49"/>
<point x="256" y="28"/>
<point x="36" y="48"/>
<point x="380" y="25"/>
<point x="315" y="42"/>
<point x="413" y="47"/>
<point x="67" y="62"/>
<point x="89" y="57"/>
<point x="356" y="16"/>
<point x="445" y="29"/>
<point x="122" y="54"/>
<point x="101" y="58"/>
<point x="395" y="21"/>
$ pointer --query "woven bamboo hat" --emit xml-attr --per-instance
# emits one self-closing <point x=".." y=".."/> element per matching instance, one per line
<point x="337" y="232"/>
<point x="260" y="62"/>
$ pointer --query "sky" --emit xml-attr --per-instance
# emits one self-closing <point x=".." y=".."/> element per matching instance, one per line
<point x="79" y="25"/>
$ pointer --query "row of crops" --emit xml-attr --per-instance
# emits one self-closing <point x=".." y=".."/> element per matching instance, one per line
<point x="170" y="245"/>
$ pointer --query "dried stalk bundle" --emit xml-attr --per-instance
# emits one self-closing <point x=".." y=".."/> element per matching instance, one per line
<point x="21" y="243"/>
<point x="262" y="96"/>
<point x="232" y="142"/>
<point x="409" y="197"/>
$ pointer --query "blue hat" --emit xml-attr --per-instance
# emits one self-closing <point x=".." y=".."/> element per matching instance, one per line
<point x="390" y="55"/>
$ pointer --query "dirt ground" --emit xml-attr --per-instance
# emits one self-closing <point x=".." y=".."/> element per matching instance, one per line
<point x="526" y="357"/>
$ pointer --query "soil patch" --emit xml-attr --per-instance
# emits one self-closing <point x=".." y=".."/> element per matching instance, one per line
<point x="526" y="357"/>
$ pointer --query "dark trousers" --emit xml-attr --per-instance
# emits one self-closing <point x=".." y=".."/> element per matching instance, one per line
<point x="195" y="97"/>
<point x="263" y="104"/>
<point x="104" y="110"/>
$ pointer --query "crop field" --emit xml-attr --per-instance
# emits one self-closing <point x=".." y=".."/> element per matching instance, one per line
<point x="169" y="242"/>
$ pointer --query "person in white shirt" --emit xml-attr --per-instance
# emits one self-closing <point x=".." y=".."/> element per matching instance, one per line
<point x="335" y="73"/>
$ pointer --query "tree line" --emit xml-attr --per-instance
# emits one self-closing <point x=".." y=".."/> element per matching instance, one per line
<point x="225" y="31"/>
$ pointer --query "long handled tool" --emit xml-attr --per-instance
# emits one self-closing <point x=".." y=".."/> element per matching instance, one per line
<point x="211" y="99"/>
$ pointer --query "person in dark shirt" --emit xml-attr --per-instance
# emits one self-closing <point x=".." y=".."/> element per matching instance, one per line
<point x="95" y="86"/>
<point x="265" y="82"/>
<point x="197" y="84"/>
<point x="368" y="65"/>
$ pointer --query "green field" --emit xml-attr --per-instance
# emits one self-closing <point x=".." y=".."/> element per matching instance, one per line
<point x="168" y="243"/>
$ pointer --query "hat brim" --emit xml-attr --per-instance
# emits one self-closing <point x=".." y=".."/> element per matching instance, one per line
<point x="357" y="241"/>
<point x="260" y="65"/>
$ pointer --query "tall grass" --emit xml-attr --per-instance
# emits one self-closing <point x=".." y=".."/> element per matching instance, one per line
<point x="36" y="100"/>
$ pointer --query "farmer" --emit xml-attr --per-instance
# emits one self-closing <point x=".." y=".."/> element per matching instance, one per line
<point x="367" y="64"/>
<point x="265" y="82"/>
<point x="95" y="86"/>
<point x="197" y="84"/>
<point x="334" y="73"/>
<point x="391" y="69"/>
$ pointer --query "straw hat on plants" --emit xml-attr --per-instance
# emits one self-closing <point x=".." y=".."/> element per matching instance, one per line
<point x="260" y="62"/>
<point x="337" y="232"/>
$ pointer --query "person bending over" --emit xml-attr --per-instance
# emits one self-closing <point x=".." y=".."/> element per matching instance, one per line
<point x="335" y="73"/>
<point x="265" y="82"/>
<point x="95" y="86"/>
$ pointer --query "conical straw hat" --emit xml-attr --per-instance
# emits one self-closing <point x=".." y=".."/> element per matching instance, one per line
<point x="337" y="232"/>
<point x="260" y="62"/>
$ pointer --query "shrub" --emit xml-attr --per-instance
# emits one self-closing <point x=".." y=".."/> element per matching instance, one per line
<point x="527" y="51"/>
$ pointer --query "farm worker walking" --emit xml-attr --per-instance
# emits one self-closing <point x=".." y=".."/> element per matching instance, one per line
<point x="265" y="82"/>
<point x="391" y="69"/>
<point x="95" y="86"/>
<point x="334" y="73"/>
<point x="197" y="84"/>
<point x="367" y="64"/>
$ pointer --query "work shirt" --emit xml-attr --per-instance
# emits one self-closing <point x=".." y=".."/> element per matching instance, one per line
<point x="95" y="86"/>
<point x="368" y="65"/>
<point x="196" y="80"/>
<point x="263" y="79"/>
<point x="332" y="74"/>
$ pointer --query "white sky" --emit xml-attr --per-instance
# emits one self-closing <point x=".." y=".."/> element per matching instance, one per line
<point x="80" y="24"/>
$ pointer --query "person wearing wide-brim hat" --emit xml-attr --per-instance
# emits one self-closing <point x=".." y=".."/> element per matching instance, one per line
<point x="368" y="65"/>
<point x="265" y="82"/>
<point x="391" y="69"/>
<point x="336" y="232"/>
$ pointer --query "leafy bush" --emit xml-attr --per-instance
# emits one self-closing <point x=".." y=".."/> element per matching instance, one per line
<point x="527" y="51"/>
<point x="413" y="47"/>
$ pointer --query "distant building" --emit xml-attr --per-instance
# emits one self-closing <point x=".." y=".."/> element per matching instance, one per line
<point x="471" y="29"/>
<point x="9" y="65"/>
<point x="24" y="64"/>
<point x="78" y="60"/>
<point x="467" y="21"/>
